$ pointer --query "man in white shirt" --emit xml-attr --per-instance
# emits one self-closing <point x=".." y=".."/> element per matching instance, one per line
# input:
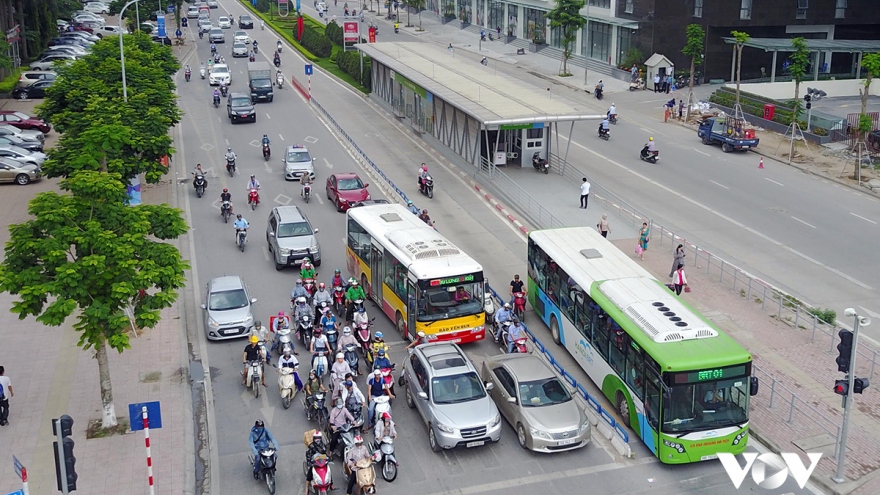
<point x="585" y="193"/>
<point x="7" y="393"/>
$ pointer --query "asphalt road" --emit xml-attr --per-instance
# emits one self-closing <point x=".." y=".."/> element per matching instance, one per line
<point x="496" y="468"/>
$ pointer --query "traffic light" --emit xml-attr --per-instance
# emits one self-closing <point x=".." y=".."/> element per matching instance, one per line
<point x="845" y="348"/>
<point x="859" y="385"/>
<point x="841" y="387"/>
<point x="67" y="444"/>
<point x="808" y="99"/>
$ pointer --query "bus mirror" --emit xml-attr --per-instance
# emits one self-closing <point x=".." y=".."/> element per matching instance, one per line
<point x="753" y="386"/>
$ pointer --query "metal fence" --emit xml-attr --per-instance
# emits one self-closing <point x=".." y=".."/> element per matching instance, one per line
<point x="503" y="186"/>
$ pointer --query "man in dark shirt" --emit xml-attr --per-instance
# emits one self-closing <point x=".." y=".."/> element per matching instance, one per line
<point x="516" y="285"/>
<point x="252" y="352"/>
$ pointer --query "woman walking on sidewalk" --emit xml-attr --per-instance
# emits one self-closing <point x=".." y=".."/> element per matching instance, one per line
<point x="679" y="259"/>
<point x="644" y="239"/>
<point x="679" y="280"/>
<point x="604" y="226"/>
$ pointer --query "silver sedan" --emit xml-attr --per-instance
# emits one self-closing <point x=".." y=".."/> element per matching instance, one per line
<point x="536" y="403"/>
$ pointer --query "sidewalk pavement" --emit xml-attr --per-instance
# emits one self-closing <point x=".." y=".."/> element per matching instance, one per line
<point x="52" y="376"/>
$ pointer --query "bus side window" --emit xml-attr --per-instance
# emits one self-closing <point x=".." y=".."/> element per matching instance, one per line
<point x="359" y="241"/>
<point x="635" y="370"/>
<point x="583" y="315"/>
<point x="652" y="403"/>
<point x="601" y="341"/>
<point x="619" y="343"/>
<point x="389" y="273"/>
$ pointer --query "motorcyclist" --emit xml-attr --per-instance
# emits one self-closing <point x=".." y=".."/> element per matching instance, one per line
<point x="502" y="315"/>
<point x="337" y="281"/>
<point x="516" y="332"/>
<point x="425" y="218"/>
<point x="299" y="291"/>
<point x="278" y="46"/>
<point x="318" y="344"/>
<point x="187" y="71"/>
<point x="420" y="339"/>
<point x="256" y="44"/>
<point x="252" y="352"/>
<point x="306" y="269"/>
<point x="198" y="171"/>
<point x="226" y="196"/>
<point x="350" y="394"/>
<point x="279" y="78"/>
<point x="339" y="417"/>
<point x="381" y="361"/>
<point x="251" y="55"/>
<point x="328" y="322"/>
<point x="230" y="155"/>
<point x="385" y="428"/>
<point x="322" y="295"/>
<point x="346" y="340"/>
<point x="317" y="447"/>
<point x="277" y="59"/>
<point x="649" y="148"/>
<point x="302" y="309"/>
<point x="376" y="387"/>
<point x="240" y="224"/>
<point x="412" y="208"/>
<point x="253" y="183"/>
<point x="354" y="293"/>
<point x="604" y="126"/>
<point x="379" y="344"/>
<point x="312" y="386"/>
<point x="223" y="89"/>
<point x="423" y="174"/>
<point x="360" y="317"/>
<point x="286" y="360"/>
<point x="216" y="96"/>
<point x="612" y="111"/>
<point x="282" y="321"/>
<point x="357" y="453"/>
<point x="305" y="180"/>
<point x="339" y="369"/>
<point x="264" y="337"/>
<point x="260" y="439"/>
<point x="213" y="48"/>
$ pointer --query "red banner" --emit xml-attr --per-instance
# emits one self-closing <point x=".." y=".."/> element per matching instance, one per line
<point x="350" y="32"/>
<point x="300" y="25"/>
<point x="372" y="35"/>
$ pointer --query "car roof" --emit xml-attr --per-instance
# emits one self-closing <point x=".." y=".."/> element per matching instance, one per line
<point x="294" y="147"/>
<point x="238" y="95"/>
<point x="445" y="358"/>
<point x="229" y="282"/>
<point x="10" y="112"/>
<point x="346" y="175"/>
<point x="525" y="367"/>
<point x="289" y="214"/>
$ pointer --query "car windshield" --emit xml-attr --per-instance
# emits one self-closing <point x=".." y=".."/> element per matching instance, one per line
<point x="245" y="18"/>
<point x="449" y="302"/>
<point x="241" y="34"/>
<point x="453" y="389"/>
<point x="546" y="392"/>
<point x="241" y="102"/>
<point x="261" y="83"/>
<point x="706" y="405"/>
<point x="295" y="229"/>
<point x="298" y="156"/>
<point x="352" y="184"/>
<point x="239" y="46"/>
<point x="224" y="19"/>
<point x="217" y="31"/>
<point x="230" y="299"/>
<point x="220" y="69"/>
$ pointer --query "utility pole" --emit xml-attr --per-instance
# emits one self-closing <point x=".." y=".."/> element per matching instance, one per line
<point x="588" y="45"/>
<point x="849" y="386"/>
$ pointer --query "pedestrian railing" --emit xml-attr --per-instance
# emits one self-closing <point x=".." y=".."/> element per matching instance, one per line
<point x="504" y="187"/>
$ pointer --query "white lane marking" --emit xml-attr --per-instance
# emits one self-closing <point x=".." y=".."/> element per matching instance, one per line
<point x="701" y="152"/>
<point x="281" y="137"/>
<point x="268" y="168"/>
<point x="265" y="253"/>
<point x="227" y="141"/>
<point x="268" y="116"/>
<point x="773" y="181"/>
<point x="863" y="218"/>
<point x="320" y="201"/>
<point x="719" y="185"/>
<point x="723" y="216"/>
<point x="803" y="222"/>
<point x="328" y="164"/>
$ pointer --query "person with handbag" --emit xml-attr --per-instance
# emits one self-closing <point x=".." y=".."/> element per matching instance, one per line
<point x="644" y="238"/>
<point x="679" y="280"/>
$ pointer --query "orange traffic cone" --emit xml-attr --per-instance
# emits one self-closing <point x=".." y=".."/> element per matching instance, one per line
<point x="761" y="163"/>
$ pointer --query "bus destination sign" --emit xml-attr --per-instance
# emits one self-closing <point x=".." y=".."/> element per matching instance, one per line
<point x="439" y="282"/>
<point x="709" y="375"/>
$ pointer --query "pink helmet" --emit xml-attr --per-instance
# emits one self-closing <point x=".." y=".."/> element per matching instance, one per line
<point x="281" y="314"/>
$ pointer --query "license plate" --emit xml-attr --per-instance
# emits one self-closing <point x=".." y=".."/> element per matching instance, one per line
<point x="746" y="147"/>
<point x="474" y="444"/>
<point x="568" y="441"/>
<point x="709" y="457"/>
<point x="229" y="332"/>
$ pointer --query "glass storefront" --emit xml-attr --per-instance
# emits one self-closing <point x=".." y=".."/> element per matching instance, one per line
<point x="481" y="12"/>
<point x="598" y="44"/>
<point x="512" y="20"/>
<point x="535" y="27"/>
<point x="449" y="8"/>
<point x="465" y="11"/>
<point x="624" y="42"/>
<point x="433" y="6"/>
<point x="556" y="37"/>
<point x="496" y="16"/>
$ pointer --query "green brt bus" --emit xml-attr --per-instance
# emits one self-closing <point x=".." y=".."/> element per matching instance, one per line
<point x="680" y="383"/>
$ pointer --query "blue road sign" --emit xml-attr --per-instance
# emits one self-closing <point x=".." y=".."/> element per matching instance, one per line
<point x="16" y="464"/>
<point x="136" y="416"/>
<point x="16" y="492"/>
<point x="308" y="69"/>
<point x="297" y="5"/>
<point x="160" y="22"/>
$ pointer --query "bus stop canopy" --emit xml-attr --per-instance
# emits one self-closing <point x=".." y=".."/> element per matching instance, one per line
<point x="490" y="97"/>
<point x="777" y="45"/>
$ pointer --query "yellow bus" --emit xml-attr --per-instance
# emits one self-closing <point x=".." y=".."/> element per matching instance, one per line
<point x="421" y="281"/>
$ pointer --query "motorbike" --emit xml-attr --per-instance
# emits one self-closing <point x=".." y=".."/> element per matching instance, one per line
<point x="216" y="58"/>
<point x="216" y="101"/>
<point x="184" y="22"/>
<point x="351" y="358"/>
<point x="283" y="337"/>
<point x="396" y="29"/>
<point x="277" y="61"/>
<point x="267" y="152"/>
<point x="540" y="164"/>
<point x="287" y="386"/>
<point x="251" y="57"/>
<point x="268" y="460"/>
<point x="202" y="72"/>
<point x="224" y="90"/>
<point x="309" y="286"/>
<point x="322" y="478"/>
<point x="278" y="46"/>
<point x="505" y="325"/>
<point x="253" y="198"/>
<point x="612" y="117"/>
<point x="426" y="186"/>
<point x="488" y="303"/>
<point x="366" y="475"/>
<point x="279" y="79"/>
<point x="357" y="412"/>
<point x="241" y="239"/>
<point x="332" y="336"/>
<point x="226" y="211"/>
<point x="338" y="299"/>
<point x="319" y="364"/>
<point x="307" y="192"/>
<point x="304" y="327"/>
<point x="213" y="49"/>
<point x="230" y="165"/>
<point x="386" y="459"/>
<point x="598" y="93"/>
<point x="604" y="133"/>
<point x="519" y="345"/>
<point x="347" y="433"/>
<point x="316" y="408"/>
<point x="254" y="377"/>
<point x="187" y="75"/>
<point x="255" y="46"/>
<point x="519" y="304"/>
<point x="388" y="377"/>
<point x="649" y="156"/>
<point x="637" y="84"/>
<point x="201" y="184"/>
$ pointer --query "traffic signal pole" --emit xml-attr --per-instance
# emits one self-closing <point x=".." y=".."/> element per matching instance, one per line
<point x="59" y="446"/>
<point x="848" y="398"/>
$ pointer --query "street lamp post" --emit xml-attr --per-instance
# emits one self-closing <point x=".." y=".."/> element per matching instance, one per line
<point x="588" y="45"/>
<point x="122" y="52"/>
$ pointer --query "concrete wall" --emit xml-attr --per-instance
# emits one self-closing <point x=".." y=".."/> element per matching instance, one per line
<point x="785" y="90"/>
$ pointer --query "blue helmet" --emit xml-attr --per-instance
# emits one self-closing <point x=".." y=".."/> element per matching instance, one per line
<point x="378" y="335"/>
<point x="381" y="352"/>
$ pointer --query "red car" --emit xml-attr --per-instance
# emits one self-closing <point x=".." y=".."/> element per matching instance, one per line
<point x="344" y="190"/>
<point x="23" y="121"/>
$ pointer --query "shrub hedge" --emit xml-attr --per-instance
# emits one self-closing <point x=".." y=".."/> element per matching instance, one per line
<point x="334" y="32"/>
<point x="752" y="104"/>
<point x="315" y="42"/>
<point x="350" y="61"/>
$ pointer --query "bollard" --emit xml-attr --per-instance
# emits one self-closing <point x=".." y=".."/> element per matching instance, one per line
<point x="721" y="278"/>
<point x="749" y="291"/>
<point x="873" y="362"/>
<point x="815" y="324"/>
<point x="772" y="392"/>
<point x="797" y="314"/>
<point x="791" y="407"/>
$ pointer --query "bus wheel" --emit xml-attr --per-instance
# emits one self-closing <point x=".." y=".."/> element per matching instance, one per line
<point x="400" y="326"/>
<point x="622" y="408"/>
<point x="554" y="330"/>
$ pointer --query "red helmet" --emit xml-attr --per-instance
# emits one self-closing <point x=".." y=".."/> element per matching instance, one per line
<point x="225" y="190"/>
<point x="321" y="285"/>
<point x="385" y="415"/>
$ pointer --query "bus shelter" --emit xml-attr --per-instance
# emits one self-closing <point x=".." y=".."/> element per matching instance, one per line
<point x="463" y="104"/>
<point x="816" y="47"/>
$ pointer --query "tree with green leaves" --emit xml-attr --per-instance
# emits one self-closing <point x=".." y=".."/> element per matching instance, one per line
<point x="693" y="48"/>
<point x="419" y="5"/>
<point x="89" y="255"/>
<point x="99" y="130"/>
<point x="741" y="40"/>
<point x="799" y="63"/>
<point x="871" y="69"/>
<point x="567" y="18"/>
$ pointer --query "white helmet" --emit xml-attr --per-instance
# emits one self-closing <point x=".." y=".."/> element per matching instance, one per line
<point x="340" y="355"/>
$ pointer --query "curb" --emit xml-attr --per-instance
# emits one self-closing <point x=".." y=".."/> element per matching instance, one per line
<point x="498" y="206"/>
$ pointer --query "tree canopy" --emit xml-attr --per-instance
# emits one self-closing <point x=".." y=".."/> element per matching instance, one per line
<point x="567" y="18"/>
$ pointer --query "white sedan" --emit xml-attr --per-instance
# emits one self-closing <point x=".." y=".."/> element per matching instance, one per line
<point x="224" y="22"/>
<point x="241" y="37"/>
<point x="96" y="8"/>
<point x="220" y="74"/>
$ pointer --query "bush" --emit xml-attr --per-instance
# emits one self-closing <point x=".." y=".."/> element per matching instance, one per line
<point x="8" y="84"/>
<point x="350" y="63"/>
<point x="820" y="131"/>
<point x="315" y="42"/>
<point x="263" y="6"/>
<point x="829" y="316"/>
<point x="334" y="32"/>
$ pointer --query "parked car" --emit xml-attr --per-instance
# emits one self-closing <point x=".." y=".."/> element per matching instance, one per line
<point x="29" y="77"/>
<point x="24" y="121"/>
<point x="67" y="40"/>
<point x="291" y="237"/>
<point x="536" y="403"/>
<point x="96" y="8"/>
<point x="239" y="49"/>
<point x="443" y="385"/>
<point x="75" y="50"/>
<point x="239" y="108"/>
<point x="245" y="22"/>
<point x="224" y="22"/>
<point x="35" y="90"/>
<point x="22" y="155"/>
<point x="48" y="61"/>
<point x="61" y="24"/>
<point x="109" y="30"/>
<point x="83" y="35"/>
<point x="21" y="174"/>
<point x="297" y="161"/>
<point x="164" y="40"/>
<point x="228" y="308"/>
<point x="11" y="140"/>
<point x="25" y="134"/>
<point x="346" y="189"/>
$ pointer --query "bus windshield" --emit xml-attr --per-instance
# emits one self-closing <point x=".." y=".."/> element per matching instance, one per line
<point x="451" y="301"/>
<point x="706" y="406"/>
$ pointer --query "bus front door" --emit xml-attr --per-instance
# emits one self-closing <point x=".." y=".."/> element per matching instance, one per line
<point x="411" y="311"/>
<point x="376" y="272"/>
